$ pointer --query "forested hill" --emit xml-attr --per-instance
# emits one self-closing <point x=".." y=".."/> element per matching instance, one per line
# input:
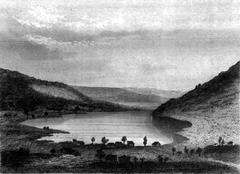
<point x="24" y="93"/>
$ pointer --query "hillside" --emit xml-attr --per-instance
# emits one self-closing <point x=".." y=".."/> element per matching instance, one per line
<point x="138" y="97"/>
<point x="24" y="93"/>
<point x="212" y="107"/>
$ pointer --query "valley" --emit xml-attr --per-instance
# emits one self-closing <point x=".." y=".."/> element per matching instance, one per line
<point x="193" y="121"/>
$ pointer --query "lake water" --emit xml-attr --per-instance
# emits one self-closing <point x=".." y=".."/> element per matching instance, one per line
<point x="134" y="125"/>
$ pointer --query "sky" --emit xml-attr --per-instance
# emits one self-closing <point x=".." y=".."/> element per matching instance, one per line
<point x="164" y="44"/>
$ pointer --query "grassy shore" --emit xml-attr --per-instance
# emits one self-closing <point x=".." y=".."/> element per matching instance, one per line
<point x="47" y="156"/>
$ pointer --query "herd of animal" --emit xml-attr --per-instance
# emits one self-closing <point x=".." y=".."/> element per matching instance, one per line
<point x="124" y="159"/>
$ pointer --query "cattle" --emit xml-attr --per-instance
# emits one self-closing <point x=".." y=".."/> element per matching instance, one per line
<point x="192" y="151"/>
<point x="119" y="144"/>
<point x="70" y="151"/>
<point x="160" y="159"/>
<point x="124" y="159"/>
<point x="165" y="159"/>
<point x="111" y="158"/>
<point x="80" y="143"/>
<point x="179" y="153"/>
<point x="100" y="154"/>
<point x="111" y="145"/>
<point x="142" y="160"/>
<point x="156" y="144"/>
<point x="199" y="151"/>
<point x="135" y="159"/>
<point x="130" y="143"/>
<point x="45" y="128"/>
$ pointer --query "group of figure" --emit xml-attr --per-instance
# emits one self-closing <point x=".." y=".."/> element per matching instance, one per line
<point x="187" y="151"/>
<point x="46" y="128"/>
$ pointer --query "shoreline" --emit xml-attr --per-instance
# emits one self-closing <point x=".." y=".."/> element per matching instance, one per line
<point x="41" y="157"/>
<point x="206" y="129"/>
<point x="170" y="127"/>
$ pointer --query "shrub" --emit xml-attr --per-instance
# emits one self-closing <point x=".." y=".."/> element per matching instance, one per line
<point x="124" y="139"/>
<point x="52" y="151"/>
<point x="145" y="141"/>
<point x="15" y="158"/>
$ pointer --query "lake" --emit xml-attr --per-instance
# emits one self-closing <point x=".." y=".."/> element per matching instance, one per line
<point x="134" y="125"/>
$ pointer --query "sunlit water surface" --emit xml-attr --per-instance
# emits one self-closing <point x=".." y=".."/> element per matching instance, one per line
<point x="134" y="125"/>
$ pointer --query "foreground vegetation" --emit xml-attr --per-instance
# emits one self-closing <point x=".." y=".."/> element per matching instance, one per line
<point x="21" y="152"/>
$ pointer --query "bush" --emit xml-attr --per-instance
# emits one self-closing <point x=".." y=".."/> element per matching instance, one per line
<point x="53" y="151"/>
<point x="15" y="158"/>
<point x="222" y="149"/>
<point x="70" y="151"/>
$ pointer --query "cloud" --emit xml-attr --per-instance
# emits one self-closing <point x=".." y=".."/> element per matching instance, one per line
<point x="104" y="15"/>
<point x="155" y="43"/>
<point x="32" y="51"/>
<point x="54" y="45"/>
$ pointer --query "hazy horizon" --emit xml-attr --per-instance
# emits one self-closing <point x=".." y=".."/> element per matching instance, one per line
<point x="169" y="45"/>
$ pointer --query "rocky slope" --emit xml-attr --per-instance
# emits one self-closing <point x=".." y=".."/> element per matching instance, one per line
<point x="213" y="109"/>
<point x="24" y="93"/>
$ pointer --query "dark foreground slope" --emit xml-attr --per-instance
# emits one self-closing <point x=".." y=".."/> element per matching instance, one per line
<point x="24" y="93"/>
<point x="212" y="107"/>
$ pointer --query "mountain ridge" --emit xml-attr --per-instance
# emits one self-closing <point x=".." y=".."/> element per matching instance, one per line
<point x="138" y="97"/>
<point x="213" y="87"/>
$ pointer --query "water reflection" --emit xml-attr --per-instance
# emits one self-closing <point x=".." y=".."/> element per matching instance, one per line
<point x="134" y="125"/>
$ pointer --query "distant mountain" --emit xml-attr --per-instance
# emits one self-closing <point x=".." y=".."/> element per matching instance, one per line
<point x="212" y="107"/>
<point x="158" y="92"/>
<point x="138" y="97"/>
<point x="21" y="92"/>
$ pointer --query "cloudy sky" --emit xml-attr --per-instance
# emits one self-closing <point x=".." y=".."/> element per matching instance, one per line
<point x="165" y="44"/>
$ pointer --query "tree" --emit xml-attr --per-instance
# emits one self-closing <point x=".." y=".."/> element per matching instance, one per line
<point x="104" y="140"/>
<point x="173" y="150"/>
<point x="93" y="140"/>
<point x="160" y="159"/>
<point x="222" y="142"/>
<point x="192" y="151"/>
<point x="124" y="139"/>
<point x="28" y="103"/>
<point x="142" y="160"/>
<point x="219" y="140"/>
<point x="199" y="151"/>
<point x="135" y="159"/>
<point x="198" y="86"/>
<point x="186" y="150"/>
<point x="45" y="114"/>
<point x="100" y="154"/>
<point x="145" y="141"/>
